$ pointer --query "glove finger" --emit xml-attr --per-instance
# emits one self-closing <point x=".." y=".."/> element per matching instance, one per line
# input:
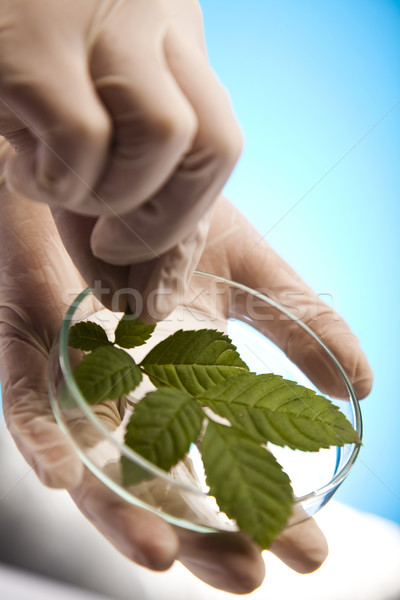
<point x="28" y="415"/>
<point x="154" y="123"/>
<point x="33" y="269"/>
<point x="259" y="267"/>
<point x="108" y="282"/>
<point x="164" y="281"/>
<point x="153" y="288"/>
<point x="61" y="161"/>
<point x="170" y="215"/>
<point x="140" y="535"/>
<point x="227" y="561"/>
<point x="286" y="287"/>
<point x="302" y="547"/>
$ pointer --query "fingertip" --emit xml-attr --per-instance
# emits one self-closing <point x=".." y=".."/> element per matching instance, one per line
<point x="230" y="562"/>
<point x="140" y="535"/>
<point x="119" y="241"/>
<point x="346" y="346"/>
<point x="309" y="561"/>
<point x="363" y="378"/>
<point x="158" y="552"/>
<point x="247" y="573"/>
<point x="325" y="371"/>
<point x="302" y="547"/>
<point x="149" y="540"/>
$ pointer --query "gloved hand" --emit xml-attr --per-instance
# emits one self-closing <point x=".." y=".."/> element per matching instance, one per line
<point x="37" y="278"/>
<point x="116" y="114"/>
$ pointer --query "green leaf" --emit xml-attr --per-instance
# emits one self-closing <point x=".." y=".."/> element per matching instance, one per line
<point x="107" y="373"/>
<point x="133" y="473"/>
<point x="193" y="361"/>
<point x="131" y="332"/>
<point x="87" y="336"/>
<point x="272" y="409"/>
<point x="247" y="482"/>
<point x="163" y="426"/>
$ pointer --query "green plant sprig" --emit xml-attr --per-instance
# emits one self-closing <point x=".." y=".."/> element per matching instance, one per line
<point x="198" y="374"/>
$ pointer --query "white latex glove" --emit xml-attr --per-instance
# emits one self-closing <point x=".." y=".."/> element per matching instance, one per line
<point x="115" y="113"/>
<point x="37" y="277"/>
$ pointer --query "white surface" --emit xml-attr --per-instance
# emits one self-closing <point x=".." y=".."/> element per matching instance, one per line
<point x="42" y="530"/>
<point x="18" y="585"/>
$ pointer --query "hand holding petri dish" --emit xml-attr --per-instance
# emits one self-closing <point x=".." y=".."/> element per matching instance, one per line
<point x="181" y="495"/>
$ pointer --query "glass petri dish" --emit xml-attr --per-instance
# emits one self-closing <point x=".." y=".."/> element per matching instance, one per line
<point x="253" y="321"/>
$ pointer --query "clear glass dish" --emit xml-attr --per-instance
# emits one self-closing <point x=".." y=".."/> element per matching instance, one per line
<point x="250" y="318"/>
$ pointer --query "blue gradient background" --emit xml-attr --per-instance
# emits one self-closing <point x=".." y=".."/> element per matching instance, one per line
<point x="314" y="85"/>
